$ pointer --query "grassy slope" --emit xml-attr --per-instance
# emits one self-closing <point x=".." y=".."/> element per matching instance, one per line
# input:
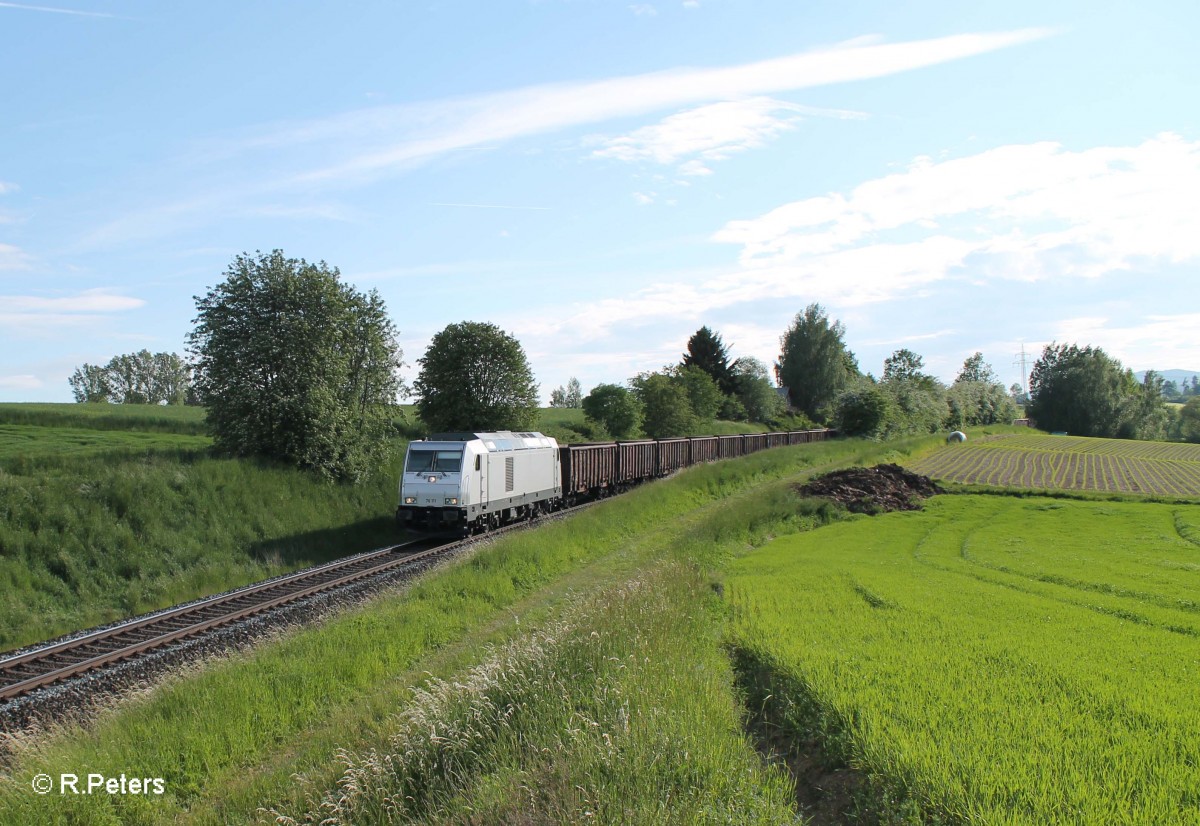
<point x="110" y="510"/>
<point x="991" y="659"/>
<point x="612" y="738"/>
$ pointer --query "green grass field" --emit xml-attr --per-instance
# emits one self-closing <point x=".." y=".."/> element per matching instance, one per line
<point x="992" y="660"/>
<point x="989" y="660"/>
<point x="144" y="417"/>
<point x="1039" y="461"/>
<point x="575" y="672"/>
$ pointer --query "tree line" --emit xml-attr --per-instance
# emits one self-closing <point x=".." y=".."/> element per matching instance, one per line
<point x="294" y="365"/>
<point x="135" y="378"/>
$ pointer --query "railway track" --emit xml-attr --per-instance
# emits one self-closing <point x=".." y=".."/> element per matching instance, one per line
<point x="56" y="662"/>
<point x="59" y="662"/>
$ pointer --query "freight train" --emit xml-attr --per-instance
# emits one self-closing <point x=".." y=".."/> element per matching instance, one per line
<point x="464" y="483"/>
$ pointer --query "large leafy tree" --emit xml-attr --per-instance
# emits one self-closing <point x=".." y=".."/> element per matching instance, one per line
<point x="976" y="369"/>
<point x="814" y="364"/>
<point x="977" y="397"/>
<point x="903" y="365"/>
<point x="296" y="366"/>
<point x="704" y="396"/>
<point x="918" y="400"/>
<point x="475" y="376"/>
<point x="1084" y="391"/>
<point x="614" y="407"/>
<point x="707" y="351"/>
<point x="666" y="409"/>
<point x="90" y="383"/>
<point x="754" y="390"/>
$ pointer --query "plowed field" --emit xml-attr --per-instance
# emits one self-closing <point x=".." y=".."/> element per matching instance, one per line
<point x="1069" y="463"/>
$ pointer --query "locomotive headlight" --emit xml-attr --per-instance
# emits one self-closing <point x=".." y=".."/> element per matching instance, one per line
<point x="410" y="500"/>
<point x="452" y="500"/>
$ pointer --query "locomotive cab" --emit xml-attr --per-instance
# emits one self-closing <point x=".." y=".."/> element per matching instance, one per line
<point x="463" y="482"/>
<point x="432" y="493"/>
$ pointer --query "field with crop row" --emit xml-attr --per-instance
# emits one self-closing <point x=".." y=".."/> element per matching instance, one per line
<point x="992" y="660"/>
<point x="1069" y="463"/>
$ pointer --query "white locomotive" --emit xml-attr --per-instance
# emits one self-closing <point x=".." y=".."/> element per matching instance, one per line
<point x="469" y="482"/>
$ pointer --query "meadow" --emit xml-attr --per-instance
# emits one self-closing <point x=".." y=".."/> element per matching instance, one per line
<point x="990" y="659"/>
<point x="575" y="671"/>
<point x="1043" y="462"/>
<point x="704" y="649"/>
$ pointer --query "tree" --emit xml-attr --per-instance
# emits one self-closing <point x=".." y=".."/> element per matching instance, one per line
<point x="615" y="408"/>
<point x="475" y="377"/>
<point x="704" y="397"/>
<point x="754" y="390"/>
<point x="814" y="364"/>
<point x="89" y="383"/>
<point x="134" y="378"/>
<point x="707" y="351"/>
<point x="979" y="403"/>
<point x="902" y="365"/>
<point x="574" y="394"/>
<point x="978" y="398"/>
<point x="918" y="401"/>
<point x="862" y="411"/>
<point x="1079" y="390"/>
<point x="665" y="405"/>
<point x="976" y="369"/>
<point x="558" y="397"/>
<point x="1189" y="420"/>
<point x="296" y="366"/>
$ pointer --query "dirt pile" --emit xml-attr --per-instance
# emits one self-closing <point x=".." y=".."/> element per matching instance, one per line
<point x="873" y="490"/>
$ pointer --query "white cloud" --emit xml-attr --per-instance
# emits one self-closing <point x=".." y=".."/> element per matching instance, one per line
<point x="21" y="382"/>
<point x="710" y="133"/>
<point x="1026" y="212"/>
<point x="694" y="168"/>
<point x="1033" y="211"/>
<point x="643" y="10"/>
<point x="88" y="301"/>
<point x="13" y="258"/>
<point x="370" y="143"/>
<point x="691" y="4"/>
<point x="6" y="187"/>
<point x="40" y="315"/>
<point x="54" y="10"/>
<point x="644" y="198"/>
<point x="1152" y="342"/>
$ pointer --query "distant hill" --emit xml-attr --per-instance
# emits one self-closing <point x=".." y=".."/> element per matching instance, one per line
<point x="1171" y="375"/>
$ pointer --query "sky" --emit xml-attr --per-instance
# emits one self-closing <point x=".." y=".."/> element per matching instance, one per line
<point x="602" y="178"/>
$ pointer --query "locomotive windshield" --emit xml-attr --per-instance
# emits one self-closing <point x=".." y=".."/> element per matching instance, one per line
<point x="436" y="461"/>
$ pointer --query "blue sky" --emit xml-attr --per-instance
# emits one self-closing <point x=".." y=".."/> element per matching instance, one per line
<point x="602" y="178"/>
